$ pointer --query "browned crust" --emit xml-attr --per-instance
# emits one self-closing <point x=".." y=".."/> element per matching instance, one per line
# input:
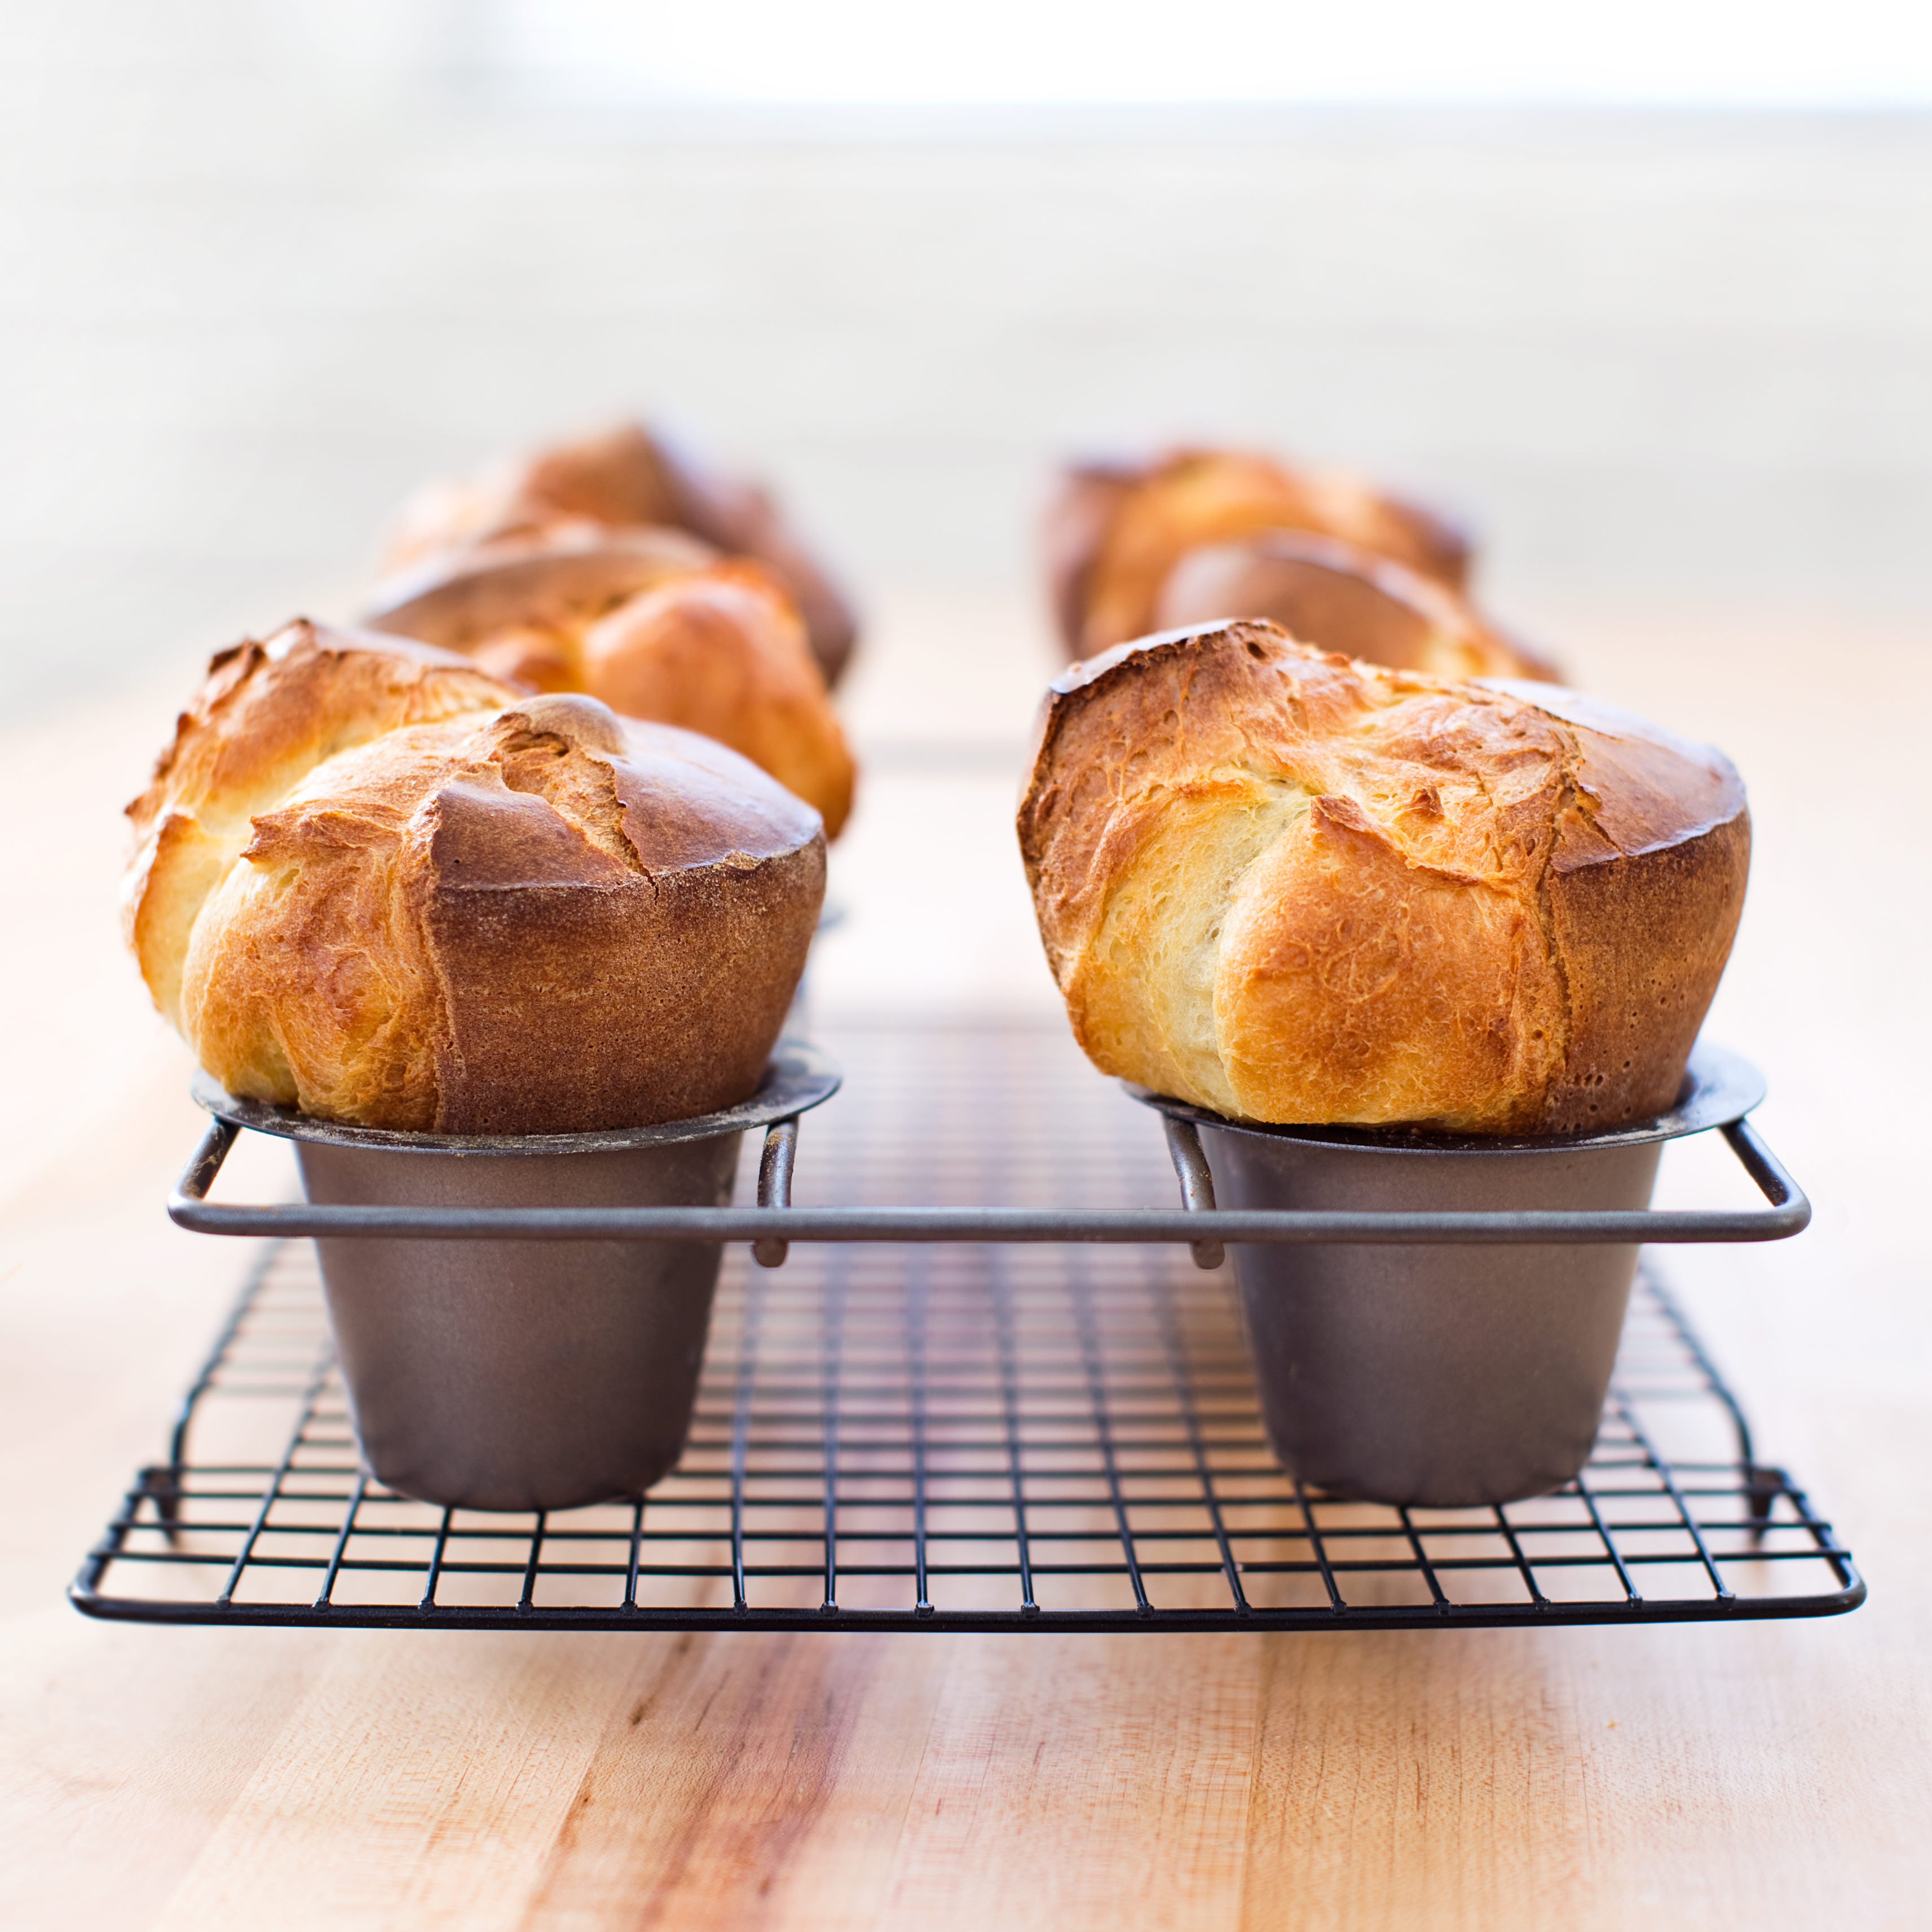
<point x="744" y="519"/>
<point x="619" y="476"/>
<point x="723" y="651"/>
<point x="544" y="918"/>
<point x="558" y="579"/>
<point x="1643" y="940"/>
<point x="1465" y="906"/>
<point x="1114" y="530"/>
<point x="658" y="626"/>
<point x="1340" y="597"/>
<point x="267" y="713"/>
<point x="618" y="479"/>
<point x="302" y="693"/>
<point x="682" y="981"/>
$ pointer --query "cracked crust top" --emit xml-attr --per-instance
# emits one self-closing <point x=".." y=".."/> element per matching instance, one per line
<point x="1293" y="888"/>
<point x="485" y="914"/>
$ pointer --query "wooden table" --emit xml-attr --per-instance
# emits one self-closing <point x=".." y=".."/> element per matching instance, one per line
<point x="1764" y="1776"/>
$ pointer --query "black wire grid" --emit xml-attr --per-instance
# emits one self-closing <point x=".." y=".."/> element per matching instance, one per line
<point x="956" y="1437"/>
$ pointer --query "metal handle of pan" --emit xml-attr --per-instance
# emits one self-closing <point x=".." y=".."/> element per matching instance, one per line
<point x="775" y="1165"/>
<point x="1197" y="1182"/>
<point x="1199" y="1226"/>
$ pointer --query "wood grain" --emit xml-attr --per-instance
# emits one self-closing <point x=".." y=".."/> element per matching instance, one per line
<point x="1773" y="1776"/>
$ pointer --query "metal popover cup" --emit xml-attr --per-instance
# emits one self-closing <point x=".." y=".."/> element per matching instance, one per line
<point x="1442" y="1375"/>
<point x="525" y="1375"/>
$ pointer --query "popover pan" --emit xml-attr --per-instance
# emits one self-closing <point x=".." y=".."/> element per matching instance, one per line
<point x="521" y="1374"/>
<point x="1442" y="1376"/>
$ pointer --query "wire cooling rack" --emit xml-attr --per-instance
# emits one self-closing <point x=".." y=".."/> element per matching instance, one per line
<point x="958" y="1437"/>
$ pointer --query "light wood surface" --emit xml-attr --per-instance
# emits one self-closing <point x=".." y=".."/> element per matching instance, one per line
<point x="1779" y="1775"/>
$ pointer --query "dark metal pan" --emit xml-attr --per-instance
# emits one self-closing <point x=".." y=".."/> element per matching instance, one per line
<point x="515" y="1375"/>
<point x="1448" y="1375"/>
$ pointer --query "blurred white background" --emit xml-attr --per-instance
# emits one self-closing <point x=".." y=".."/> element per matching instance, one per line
<point x="1705" y="53"/>
<point x="1646" y="292"/>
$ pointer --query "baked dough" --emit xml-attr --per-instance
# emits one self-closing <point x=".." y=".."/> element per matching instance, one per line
<point x="374" y="884"/>
<point x="626" y="477"/>
<point x="1292" y="888"/>
<point x="654" y="623"/>
<point x="1114" y="531"/>
<point x="1340" y="597"/>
